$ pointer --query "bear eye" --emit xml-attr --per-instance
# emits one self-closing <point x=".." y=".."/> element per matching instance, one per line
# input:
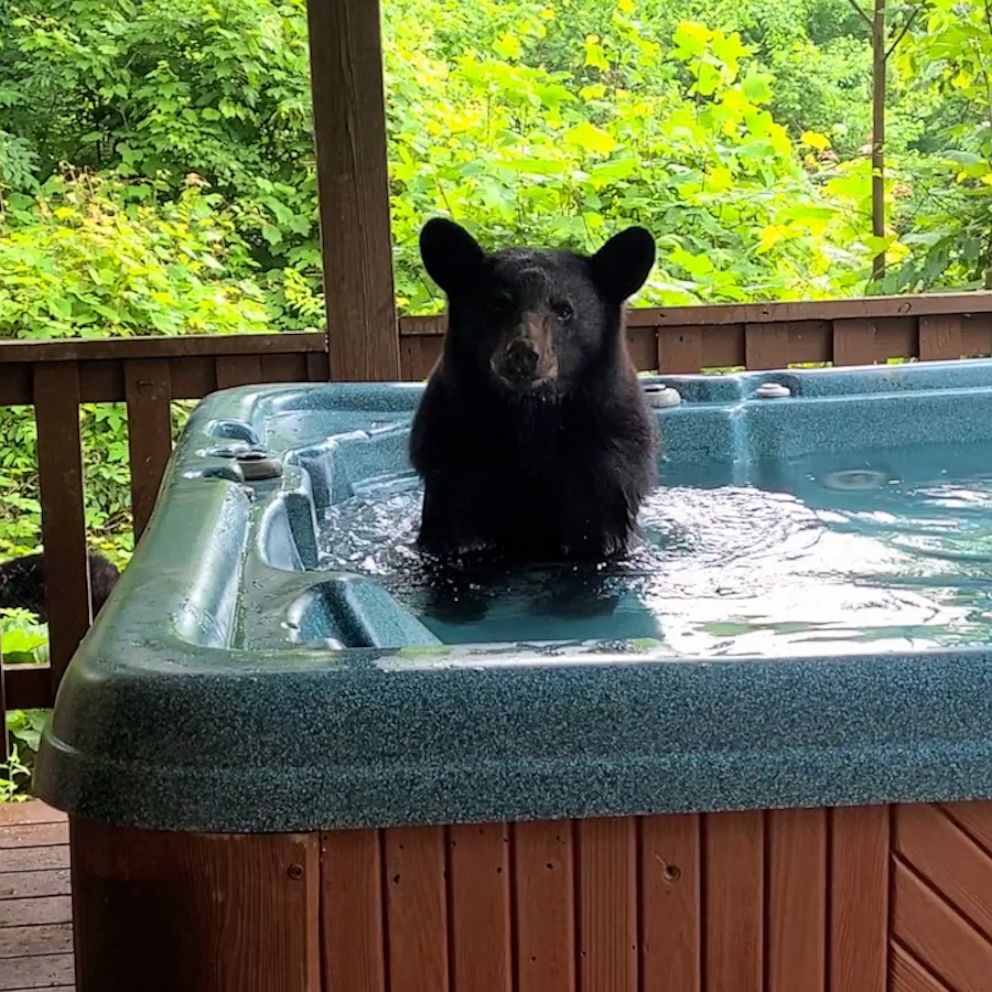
<point x="502" y="302"/>
<point x="562" y="310"/>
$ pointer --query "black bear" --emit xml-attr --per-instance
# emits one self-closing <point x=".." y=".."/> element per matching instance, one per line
<point x="533" y="438"/>
<point x="22" y="583"/>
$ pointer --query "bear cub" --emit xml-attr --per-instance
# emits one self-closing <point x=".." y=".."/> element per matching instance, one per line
<point x="533" y="438"/>
<point x="22" y="583"/>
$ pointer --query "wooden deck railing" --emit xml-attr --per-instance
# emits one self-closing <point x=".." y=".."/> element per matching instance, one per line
<point x="147" y="374"/>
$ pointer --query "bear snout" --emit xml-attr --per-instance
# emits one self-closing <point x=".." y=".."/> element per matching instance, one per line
<point x="527" y="357"/>
<point x="520" y="360"/>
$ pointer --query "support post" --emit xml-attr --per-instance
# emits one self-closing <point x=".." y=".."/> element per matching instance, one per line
<point x="353" y="189"/>
<point x="879" y="40"/>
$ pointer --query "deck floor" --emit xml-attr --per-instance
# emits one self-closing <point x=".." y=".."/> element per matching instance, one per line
<point x="35" y="909"/>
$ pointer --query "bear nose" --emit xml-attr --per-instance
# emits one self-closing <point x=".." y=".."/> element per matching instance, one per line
<point x="521" y="359"/>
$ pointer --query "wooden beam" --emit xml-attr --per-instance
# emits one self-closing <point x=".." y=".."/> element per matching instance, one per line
<point x="353" y="187"/>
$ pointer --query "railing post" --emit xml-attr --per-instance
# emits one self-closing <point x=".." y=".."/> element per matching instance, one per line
<point x="353" y="188"/>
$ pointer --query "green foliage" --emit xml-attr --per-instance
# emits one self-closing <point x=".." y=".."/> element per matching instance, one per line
<point x="22" y="641"/>
<point x="91" y="257"/>
<point x="945" y="212"/>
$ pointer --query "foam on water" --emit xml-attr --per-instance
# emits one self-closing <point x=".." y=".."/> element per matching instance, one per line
<point x="875" y="550"/>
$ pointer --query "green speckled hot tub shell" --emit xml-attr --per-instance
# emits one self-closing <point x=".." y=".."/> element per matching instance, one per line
<point x="166" y="719"/>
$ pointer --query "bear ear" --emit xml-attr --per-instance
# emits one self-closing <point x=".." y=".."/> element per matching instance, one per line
<point x="620" y="267"/>
<point x="450" y="254"/>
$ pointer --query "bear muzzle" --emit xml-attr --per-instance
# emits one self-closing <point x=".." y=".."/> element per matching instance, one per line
<point x="527" y="359"/>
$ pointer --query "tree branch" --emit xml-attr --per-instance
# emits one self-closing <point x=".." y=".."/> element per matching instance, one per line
<point x="860" y="10"/>
<point x="905" y="29"/>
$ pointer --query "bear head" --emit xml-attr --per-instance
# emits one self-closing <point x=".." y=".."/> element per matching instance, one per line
<point x="534" y="323"/>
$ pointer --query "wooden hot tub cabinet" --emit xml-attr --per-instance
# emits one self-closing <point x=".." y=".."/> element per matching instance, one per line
<point x="860" y="899"/>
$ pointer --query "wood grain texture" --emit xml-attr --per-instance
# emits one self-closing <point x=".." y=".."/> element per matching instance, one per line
<point x="238" y="370"/>
<point x="671" y="921"/>
<point x="908" y="975"/>
<point x="479" y="908"/>
<point x="796" y="917"/>
<point x="975" y="819"/>
<point x="938" y="936"/>
<point x="544" y="906"/>
<point x="607" y="893"/>
<point x="36" y="972"/>
<point x="352" y="911"/>
<point x="940" y="337"/>
<point x="25" y="941"/>
<point x="854" y="341"/>
<point x="680" y="350"/>
<point x="148" y="388"/>
<point x="733" y="871"/>
<point x="948" y="859"/>
<point x="765" y="346"/>
<point x="417" y="920"/>
<point x="155" y="910"/>
<point x="63" y="524"/>
<point x="859" y="899"/>
<point x="353" y="188"/>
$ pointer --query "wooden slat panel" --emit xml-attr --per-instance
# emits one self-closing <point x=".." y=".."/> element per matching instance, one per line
<point x="607" y="892"/>
<point x="192" y="378"/>
<point x="33" y="811"/>
<point x="238" y="370"/>
<point x="671" y="924"/>
<point x="810" y="340"/>
<point x="797" y="873"/>
<point x="352" y="911"/>
<point x="940" y="337"/>
<point x="724" y="346"/>
<point x="642" y="344"/>
<point x="416" y="909"/>
<point x="49" y="938"/>
<point x="192" y="345"/>
<point x="16" y="385"/>
<point x="975" y="819"/>
<point x="896" y="337"/>
<point x="43" y="971"/>
<point x="938" y="936"/>
<point x="976" y="334"/>
<point x="101" y="381"/>
<point x="284" y="368"/>
<point x="353" y="187"/>
<point x="680" y="350"/>
<point x="149" y="423"/>
<point x="28" y="687"/>
<point x="32" y="912"/>
<point x="63" y="525"/>
<point x="908" y="975"/>
<point x="859" y="898"/>
<point x="197" y="911"/>
<point x="479" y="909"/>
<point x="418" y="357"/>
<point x="318" y="369"/>
<point x="766" y="346"/>
<point x="33" y="835"/>
<point x="854" y="342"/>
<point x="29" y="859"/>
<point x="946" y="856"/>
<point x="733" y="870"/>
<point x="31" y="884"/>
<point x="544" y="906"/>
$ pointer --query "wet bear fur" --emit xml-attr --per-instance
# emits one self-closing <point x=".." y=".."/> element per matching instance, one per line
<point x="533" y="438"/>
<point x="22" y="583"/>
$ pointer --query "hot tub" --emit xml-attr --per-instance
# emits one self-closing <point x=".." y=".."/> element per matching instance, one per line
<point x="755" y="755"/>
